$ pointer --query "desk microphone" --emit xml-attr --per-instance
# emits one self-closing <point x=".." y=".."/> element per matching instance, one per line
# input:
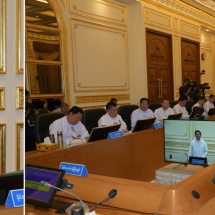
<point x="111" y="195"/>
<point x="84" y="206"/>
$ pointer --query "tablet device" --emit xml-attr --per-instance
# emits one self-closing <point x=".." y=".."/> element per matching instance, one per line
<point x="175" y="116"/>
<point x="211" y="111"/>
<point x="144" y="124"/>
<point x="10" y="181"/>
<point x="37" y="193"/>
<point x="100" y="133"/>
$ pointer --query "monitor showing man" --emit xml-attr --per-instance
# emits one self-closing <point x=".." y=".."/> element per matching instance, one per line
<point x="141" y="113"/>
<point x="198" y="147"/>
<point x="112" y="117"/>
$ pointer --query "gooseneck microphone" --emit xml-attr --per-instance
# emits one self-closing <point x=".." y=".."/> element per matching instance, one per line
<point x="111" y="195"/>
<point x="84" y="206"/>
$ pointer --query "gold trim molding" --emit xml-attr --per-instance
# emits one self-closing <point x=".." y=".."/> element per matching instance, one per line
<point x="2" y="98"/>
<point x="19" y="37"/>
<point x="178" y="7"/>
<point x="74" y="9"/>
<point x="19" y="97"/>
<point x="2" y="148"/>
<point x="2" y="36"/>
<point x="100" y="98"/>
<point x="19" y="129"/>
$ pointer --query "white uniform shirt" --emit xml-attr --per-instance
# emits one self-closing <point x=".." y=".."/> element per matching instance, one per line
<point x="198" y="105"/>
<point x="106" y="120"/>
<point x="178" y="109"/>
<point x="140" y="114"/>
<point x="161" y="114"/>
<point x="207" y="106"/>
<point x="69" y="131"/>
<point x="198" y="148"/>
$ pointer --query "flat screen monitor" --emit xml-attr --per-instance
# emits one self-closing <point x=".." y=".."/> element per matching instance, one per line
<point x="100" y="133"/>
<point x="11" y="181"/>
<point x="196" y="113"/>
<point x="175" y="116"/>
<point x="211" y="111"/>
<point x="143" y="124"/>
<point x="178" y="136"/>
<point x="37" y="193"/>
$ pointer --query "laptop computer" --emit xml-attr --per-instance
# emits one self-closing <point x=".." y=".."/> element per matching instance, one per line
<point x="211" y="111"/>
<point x="175" y="116"/>
<point x="100" y="133"/>
<point x="143" y="124"/>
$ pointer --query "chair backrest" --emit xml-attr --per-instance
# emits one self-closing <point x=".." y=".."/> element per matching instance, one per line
<point x="189" y="106"/>
<point x="42" y="123"/>
<point x="125" y="112"/>
<point x="154" y="106"/>
<point x="173" y="103"/>
<point x="91" y="117"/>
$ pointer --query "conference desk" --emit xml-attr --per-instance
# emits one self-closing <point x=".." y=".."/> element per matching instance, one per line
<point x="128" y="164"/>
<point x="11" y="211"/>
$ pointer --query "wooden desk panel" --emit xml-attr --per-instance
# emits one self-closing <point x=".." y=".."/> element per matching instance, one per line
<point x="11" y="211"/>
<point x="135" y="156"/>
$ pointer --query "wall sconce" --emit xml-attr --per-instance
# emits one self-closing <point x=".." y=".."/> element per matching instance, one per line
<point x="203" y="72"/>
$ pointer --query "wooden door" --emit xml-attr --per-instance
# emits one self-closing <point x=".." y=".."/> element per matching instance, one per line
<point x="159" y="66"/>
<point x="190" y="59"/>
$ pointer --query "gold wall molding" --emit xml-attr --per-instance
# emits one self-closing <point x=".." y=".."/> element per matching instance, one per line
<point x="158" y="19"/>
<point x="107" y="55"/>
<point x="19" y="97"/>
<point x="184" y="10"/>
<point x="63" y="44"/>
<point x="19" y="37"/>
<point x="2" y="148"/>
<point x="19" y="146"/>
<point x="2" y="98"/>
<point x="2" y="36"/>
<point x="107" y="11"/>
<point x="206" y="41"/>
<point x="100" y="98"/>
<point x="190" y="29"/>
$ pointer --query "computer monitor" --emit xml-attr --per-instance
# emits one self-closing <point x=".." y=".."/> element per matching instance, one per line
<point x="211" y="111"/>
<point x="175" y="116"/>
<point x="100" y="133"/>
<point x="144" y="124"/>
<point x="198" y="161"/>
<point x="36" y="192"/>
<point x="9" y="182"/>
<point x="197" y="113"/>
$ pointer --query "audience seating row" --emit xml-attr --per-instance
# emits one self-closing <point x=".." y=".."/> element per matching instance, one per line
<point x="91" y="117"/>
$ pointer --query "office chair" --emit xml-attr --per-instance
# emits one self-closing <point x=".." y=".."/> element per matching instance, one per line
<point x="42" y="123"/>
<point x="91" y="117"/>
<point x="125" y="112"/>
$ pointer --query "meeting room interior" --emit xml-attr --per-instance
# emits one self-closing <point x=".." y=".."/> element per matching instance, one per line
<point x="61" y="54"/>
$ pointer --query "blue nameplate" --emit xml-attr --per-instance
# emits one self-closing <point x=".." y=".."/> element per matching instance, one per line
<point x="115" y="134"/>
<point x="15" y="198"/>
<point x="157" y="125"/>
<point x="74" y="169"/>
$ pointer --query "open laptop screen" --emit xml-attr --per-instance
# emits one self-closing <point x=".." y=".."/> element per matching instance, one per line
<point x="175" y="116"/>
<point x="37" y="193"/>
<point x="143" y="124"/>
<point x="100" y="133"/>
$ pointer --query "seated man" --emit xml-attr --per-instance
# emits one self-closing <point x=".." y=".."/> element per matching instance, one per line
<point x="200" y="102"/>
<point x="112" y="117"/>
<point x="64" y="107"/>
<point x="198" y="147"/>
<point x="70" y="125"/>
<point x="209" y="104"/>
<point x="180" y="108"/>
<point x="141" y="113"/>
<point x="163" y="112"/>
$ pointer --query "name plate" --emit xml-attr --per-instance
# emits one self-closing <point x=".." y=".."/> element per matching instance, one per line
<point x="115" y="134"/>
<point x="15" y="198"/>
<point x="74" y="169"/>
<point x="157" y="125"/>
